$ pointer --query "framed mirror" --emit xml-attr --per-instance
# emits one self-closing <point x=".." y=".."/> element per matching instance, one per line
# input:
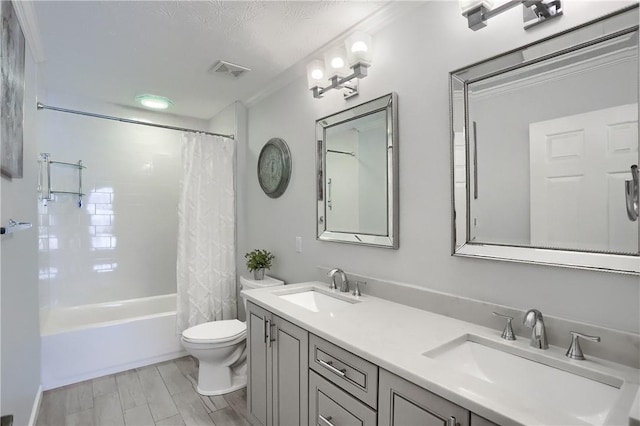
<point x="543" y="143"/>
<point x="357" y="174"/>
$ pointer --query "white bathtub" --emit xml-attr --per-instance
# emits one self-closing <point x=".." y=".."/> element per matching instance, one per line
<point x="84" y="342"/>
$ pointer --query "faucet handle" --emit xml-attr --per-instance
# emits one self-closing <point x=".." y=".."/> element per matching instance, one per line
<point x="575" y="351"/>
<point x="356" y="291"/>
<point x="507" y="333"/>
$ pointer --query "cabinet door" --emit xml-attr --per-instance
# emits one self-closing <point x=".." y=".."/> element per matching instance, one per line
<point x="259" y="366"/>
<point x="290" y="346"/>
<point x="405" y="404"/>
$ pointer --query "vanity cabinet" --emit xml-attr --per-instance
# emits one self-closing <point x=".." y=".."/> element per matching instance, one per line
<point x="331" y="406"/>
<point x="277" y="370"/>
<point x="296" y="378"/>
<point x="402" y="403"/>
<point x="355" y="375"/>
<point x="343" y="388"/>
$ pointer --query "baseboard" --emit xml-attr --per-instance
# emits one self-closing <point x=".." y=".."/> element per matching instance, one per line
<point x="36" y="407"/>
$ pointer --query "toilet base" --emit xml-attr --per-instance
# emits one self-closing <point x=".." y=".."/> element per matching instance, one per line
<point x="219" y="380"/>
<point x="238" y="381"/>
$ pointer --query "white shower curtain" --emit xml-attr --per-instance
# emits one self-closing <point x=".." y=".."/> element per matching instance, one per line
<point x="206" y="266"/>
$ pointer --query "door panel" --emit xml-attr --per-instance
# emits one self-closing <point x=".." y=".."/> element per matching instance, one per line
<point x="578" y="165"/>
<point x="258" y="366"/>
<point x="290" y="374"/>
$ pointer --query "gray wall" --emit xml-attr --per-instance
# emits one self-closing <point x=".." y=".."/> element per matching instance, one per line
<point x="20" y="344"/>
<point x="413" y="56"/>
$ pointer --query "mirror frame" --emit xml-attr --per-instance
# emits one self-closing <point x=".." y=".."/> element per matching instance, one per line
<point x="389" y="104"/>
<point x="624" y="21"/>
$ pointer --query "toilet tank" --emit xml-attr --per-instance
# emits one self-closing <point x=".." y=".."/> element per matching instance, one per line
<point x="247" y="283"/>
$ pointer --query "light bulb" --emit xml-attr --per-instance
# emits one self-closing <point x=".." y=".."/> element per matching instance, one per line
<point x="359" y="49"/>
<point x="335" y="58"/>
<point x="337" y="62"/>
<point x="359" y="46"/>
<point x="315" y="73"/>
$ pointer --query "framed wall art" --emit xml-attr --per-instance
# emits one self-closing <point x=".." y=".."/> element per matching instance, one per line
<point x="11" y="92"/>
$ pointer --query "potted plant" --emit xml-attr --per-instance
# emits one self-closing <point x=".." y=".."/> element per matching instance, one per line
<point x="257" y="261"/>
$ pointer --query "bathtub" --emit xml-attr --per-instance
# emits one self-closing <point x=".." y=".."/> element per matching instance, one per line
<point x="84" y="342"/>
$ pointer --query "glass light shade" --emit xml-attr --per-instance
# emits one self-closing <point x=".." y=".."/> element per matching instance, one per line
<point x="315" y="74"/>
<point x="359" y="48"/>
<point x="154" y="101"/>
<point x="469" y="5"/>
<point x="336" y="62"/>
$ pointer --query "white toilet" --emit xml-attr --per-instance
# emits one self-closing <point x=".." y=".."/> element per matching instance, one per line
<point x="220" y="347"/>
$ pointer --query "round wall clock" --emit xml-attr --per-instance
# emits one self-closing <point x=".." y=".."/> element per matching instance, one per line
<point x="274" y="167"/>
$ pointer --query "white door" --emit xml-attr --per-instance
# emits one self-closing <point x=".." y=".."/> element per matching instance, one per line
<point x="578" y="165"/>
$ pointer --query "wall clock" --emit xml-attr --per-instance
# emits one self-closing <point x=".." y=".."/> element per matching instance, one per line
<point x="274" y="167"/>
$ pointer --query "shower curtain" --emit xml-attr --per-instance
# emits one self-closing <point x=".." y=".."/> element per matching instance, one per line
<point x="206" y="264"/>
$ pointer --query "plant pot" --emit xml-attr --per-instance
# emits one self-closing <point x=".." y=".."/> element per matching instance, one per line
<point x="258" y="274"/>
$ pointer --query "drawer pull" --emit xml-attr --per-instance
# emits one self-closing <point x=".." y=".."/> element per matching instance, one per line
<point x="326" y="420"/>
<point x="328" y="365"/>
<point x="452" y="421"/>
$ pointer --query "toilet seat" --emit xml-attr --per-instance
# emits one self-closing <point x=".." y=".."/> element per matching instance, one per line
<point x="215" y="332"/>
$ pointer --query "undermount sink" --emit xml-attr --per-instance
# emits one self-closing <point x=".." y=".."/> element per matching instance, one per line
<point x="317" y="301"/>
<point x="514" y="370"/>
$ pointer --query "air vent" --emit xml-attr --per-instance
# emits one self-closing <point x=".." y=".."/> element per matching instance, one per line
<point x="224" y="68"/>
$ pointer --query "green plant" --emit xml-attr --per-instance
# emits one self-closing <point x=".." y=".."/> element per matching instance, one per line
<point x="258" y="259"/>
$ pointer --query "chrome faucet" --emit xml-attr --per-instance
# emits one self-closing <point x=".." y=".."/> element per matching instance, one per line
<point x="533" y="319"/>
<point x="344" y="284"/>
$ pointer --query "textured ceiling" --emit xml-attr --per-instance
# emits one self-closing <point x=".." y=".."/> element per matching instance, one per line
<point x="113" y="50"/>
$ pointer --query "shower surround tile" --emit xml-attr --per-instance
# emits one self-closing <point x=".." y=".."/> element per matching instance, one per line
<point x="116" y="246"/>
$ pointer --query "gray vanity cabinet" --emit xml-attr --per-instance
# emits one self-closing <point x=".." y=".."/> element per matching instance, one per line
<point x="331" y="406"/>
<point x="277" y="370"/>
<point x="402" y="403"/>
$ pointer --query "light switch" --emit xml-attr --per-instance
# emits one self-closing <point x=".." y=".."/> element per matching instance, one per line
<point x="299" y="244"/>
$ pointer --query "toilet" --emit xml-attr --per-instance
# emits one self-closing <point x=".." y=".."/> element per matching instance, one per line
<point x="220" y="348"/>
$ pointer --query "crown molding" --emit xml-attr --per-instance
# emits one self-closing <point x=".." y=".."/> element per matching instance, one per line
<point x="28" y="19"/>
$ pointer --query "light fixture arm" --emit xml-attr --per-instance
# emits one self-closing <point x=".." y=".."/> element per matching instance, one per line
<point x="535" y="12"/>
<point x="348" y="84"/>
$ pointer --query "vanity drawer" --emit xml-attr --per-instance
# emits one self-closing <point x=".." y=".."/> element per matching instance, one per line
<point x="348" y="371"/>
<point x="331" y="406"/>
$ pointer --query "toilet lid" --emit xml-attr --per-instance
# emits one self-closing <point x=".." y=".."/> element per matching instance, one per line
<point x="215" y="331"/>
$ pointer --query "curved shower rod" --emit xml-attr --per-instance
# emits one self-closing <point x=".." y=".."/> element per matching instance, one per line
<point x="40" y="106"/>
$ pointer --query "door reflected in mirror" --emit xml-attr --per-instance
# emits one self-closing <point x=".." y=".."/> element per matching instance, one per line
<point x="357" y="174"/>
<point x="543" y="140"/>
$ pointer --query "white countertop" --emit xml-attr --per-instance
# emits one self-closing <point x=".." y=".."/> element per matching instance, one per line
<point x="396" y="336"/>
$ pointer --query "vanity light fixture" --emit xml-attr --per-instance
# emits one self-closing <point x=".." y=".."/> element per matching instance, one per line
<point x="342" y="67"/>
<point x="154" y="101"/>
<point x="535" y="12"/>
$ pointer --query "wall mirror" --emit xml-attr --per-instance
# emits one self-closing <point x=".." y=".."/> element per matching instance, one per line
<point x="357" y="174"/>
<point x="543" y="141"/>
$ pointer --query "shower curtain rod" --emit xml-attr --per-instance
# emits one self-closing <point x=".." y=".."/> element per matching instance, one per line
<point x="40" y="105"/>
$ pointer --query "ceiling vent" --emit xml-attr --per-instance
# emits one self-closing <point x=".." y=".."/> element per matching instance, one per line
<point x="224" y="68"/>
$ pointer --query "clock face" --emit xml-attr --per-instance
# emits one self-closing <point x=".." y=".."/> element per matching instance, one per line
<point x="274" y="167"/>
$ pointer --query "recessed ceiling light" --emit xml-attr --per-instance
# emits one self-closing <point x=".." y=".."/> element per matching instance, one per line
<point x="154" y="101"/>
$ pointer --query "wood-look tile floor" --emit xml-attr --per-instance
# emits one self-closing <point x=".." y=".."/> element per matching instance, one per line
<point x="157" y="395"/>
